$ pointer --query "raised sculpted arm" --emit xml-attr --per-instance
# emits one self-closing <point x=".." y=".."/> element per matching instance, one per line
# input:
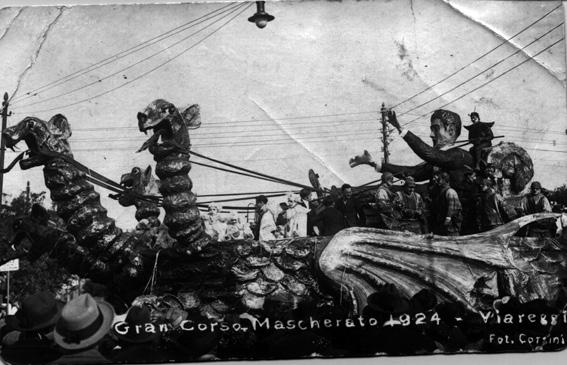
<point x="453" y="158"/>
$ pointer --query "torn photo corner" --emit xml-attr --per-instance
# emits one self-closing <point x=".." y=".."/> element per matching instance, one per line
<point x="275" y="180"/>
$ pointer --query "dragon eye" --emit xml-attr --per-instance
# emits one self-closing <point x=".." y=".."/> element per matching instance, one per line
<point x="171" y="109"/>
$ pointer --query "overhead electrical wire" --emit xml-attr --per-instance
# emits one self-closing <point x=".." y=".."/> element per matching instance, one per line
<point x="196" y="137"/>
<point x="244" y="8"/>
<point x="481" y="72"/>
<point x="489" y="81"/>
<point x="232" y="125"/>
<point x="247" y="143"/>
<point x="306" y="125"/>
<point x="375" y="111"/>
<point x="99" y="80"/>
<point x="114" y="57"/>
<point x="506" y="41"/>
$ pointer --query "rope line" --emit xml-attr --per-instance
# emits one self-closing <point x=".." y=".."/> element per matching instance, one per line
<point x="237" y="172"/>
<point x="239" y="199"/>
<point x="249" y="171"/>
<point x="101" y="180"/>
<point x="251" y="193"/>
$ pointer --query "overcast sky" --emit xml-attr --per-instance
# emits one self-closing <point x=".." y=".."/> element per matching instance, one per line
<point x="302" y="93"/>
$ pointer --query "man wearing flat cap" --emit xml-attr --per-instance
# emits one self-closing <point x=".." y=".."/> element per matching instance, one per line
<point x="410" y="203"/>
<point x="480" y="135"/>
<point x="384" y="200"/>
<point x="536" y="202"/>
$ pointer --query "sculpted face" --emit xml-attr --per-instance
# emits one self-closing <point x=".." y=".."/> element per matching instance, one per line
<point x="440" y="135"/>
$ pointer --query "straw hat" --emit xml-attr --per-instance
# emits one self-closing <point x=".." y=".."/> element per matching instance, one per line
<point x="38" y="311"/>
<point x="83" y="322"/>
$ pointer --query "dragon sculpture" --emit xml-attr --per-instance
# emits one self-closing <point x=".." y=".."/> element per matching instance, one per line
<point x="90" y="244"/>
<point x="244" y="275"/>
<point x="138" y="184"/>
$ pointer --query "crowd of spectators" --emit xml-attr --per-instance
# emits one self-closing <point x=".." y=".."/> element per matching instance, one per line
<point x="439" y="208"/>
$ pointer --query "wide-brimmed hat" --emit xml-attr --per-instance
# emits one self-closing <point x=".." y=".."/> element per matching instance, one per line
<point x="83" y="322"/>
<point x="135" y="323"/>
<point x="38" y="311"/>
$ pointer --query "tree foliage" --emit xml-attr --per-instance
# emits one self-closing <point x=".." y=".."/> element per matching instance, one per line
<point x="559" y="195"/>
<point x="42" y="274"/>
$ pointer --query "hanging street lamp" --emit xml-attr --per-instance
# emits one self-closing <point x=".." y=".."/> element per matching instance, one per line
<point x="261" y="18"/>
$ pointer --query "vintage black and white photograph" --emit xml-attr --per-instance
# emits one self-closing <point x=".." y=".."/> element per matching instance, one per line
<point x="282" y="180"/>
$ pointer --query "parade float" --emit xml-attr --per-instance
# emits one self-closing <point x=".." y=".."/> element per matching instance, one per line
<point x="321" y="276"/>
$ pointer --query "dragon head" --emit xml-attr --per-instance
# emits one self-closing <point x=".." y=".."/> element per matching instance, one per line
<point x="142" y="183"/>
<point x="169" y="126"/>
<point x="43" y="139"/>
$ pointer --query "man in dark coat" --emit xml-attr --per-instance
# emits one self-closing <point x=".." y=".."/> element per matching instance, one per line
<point x="349" y="207"/>
<point x="480" y="135"/>
<point x="469" y="196"/>
<point x="330" y="220"/>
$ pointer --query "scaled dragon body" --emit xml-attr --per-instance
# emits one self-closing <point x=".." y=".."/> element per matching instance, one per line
<point x="98" y="248"/>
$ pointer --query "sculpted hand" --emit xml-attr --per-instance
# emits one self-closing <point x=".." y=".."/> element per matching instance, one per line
<point x="364" y="159"/>
<point x="393" y="120"/>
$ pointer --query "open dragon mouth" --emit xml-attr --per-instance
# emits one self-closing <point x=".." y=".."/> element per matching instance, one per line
<point x="33" y="155"/>
<point x="162" y="135"/>
<point x="127" y="181"/>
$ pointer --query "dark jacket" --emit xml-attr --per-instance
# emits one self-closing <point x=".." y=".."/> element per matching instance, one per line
<point x="480" y="134"/>
<point x="469" y="197"/>
<point x="452" y="160"/>
<point x="352" y="212"/>
<point x="330" y="221"/>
